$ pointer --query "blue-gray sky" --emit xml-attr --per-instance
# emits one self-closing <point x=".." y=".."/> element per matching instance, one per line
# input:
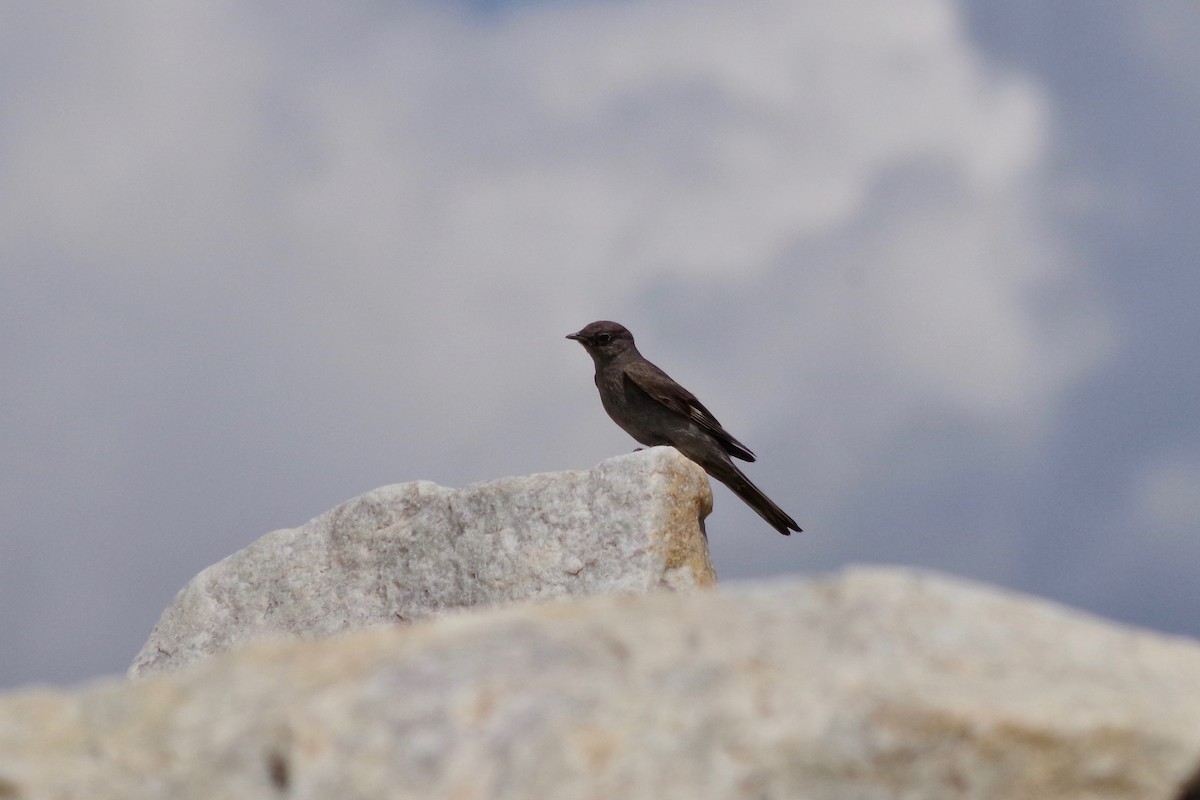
<point x="936" y="265"/>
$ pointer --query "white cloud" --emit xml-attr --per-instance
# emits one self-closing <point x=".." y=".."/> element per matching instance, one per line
<point x="396" y="176"/>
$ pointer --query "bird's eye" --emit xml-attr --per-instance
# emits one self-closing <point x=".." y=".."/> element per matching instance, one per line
<point x="604" y="338"/>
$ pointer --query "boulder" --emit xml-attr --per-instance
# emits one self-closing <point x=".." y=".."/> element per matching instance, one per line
<point x="871" y="684"/>
<point x="407" y="551"/>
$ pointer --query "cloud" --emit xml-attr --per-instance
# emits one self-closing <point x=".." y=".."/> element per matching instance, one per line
<point x="565" y="157"/>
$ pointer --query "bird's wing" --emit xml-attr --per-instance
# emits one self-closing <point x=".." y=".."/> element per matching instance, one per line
<point x="659" y="385"/>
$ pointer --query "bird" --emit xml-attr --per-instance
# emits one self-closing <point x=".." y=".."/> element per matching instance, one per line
<point x="655" y="410"/>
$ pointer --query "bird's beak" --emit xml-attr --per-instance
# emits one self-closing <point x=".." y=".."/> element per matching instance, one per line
<point x="574" y="336"/>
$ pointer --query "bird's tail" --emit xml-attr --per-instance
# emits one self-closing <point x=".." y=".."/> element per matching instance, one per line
<point x="728" y="473"/>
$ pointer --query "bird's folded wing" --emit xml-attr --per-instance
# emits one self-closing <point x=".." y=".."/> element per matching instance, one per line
<point x="659" y="385"/>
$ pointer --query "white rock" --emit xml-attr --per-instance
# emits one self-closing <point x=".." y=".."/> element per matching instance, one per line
<point x="868" y="685"/>
<point x="403" y="552"/>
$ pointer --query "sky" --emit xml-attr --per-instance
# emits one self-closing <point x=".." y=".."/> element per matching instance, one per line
<point x="935" y="264"/>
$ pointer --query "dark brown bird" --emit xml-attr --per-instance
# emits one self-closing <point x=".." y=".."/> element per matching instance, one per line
<point x="655" y="410"/>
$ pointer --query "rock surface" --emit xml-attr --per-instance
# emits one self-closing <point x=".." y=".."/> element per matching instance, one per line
<point x="869" y="684"/>
<point x="404" y="552"/>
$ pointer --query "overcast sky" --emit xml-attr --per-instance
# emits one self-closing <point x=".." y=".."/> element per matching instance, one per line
<point x="938" y="264"/>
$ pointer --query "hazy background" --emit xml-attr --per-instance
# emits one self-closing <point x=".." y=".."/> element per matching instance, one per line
<point x="937" y="263"/>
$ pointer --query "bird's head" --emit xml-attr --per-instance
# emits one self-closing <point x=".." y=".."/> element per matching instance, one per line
<point x="604" y="340"/>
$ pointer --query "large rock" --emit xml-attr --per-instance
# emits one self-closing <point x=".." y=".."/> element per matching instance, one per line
<point x="868" y="685"/>
<point x="403" y="552"/>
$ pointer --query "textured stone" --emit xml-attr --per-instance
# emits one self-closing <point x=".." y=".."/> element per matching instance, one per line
<point x="403" y="552"/>
<point x="867" y="685"/>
